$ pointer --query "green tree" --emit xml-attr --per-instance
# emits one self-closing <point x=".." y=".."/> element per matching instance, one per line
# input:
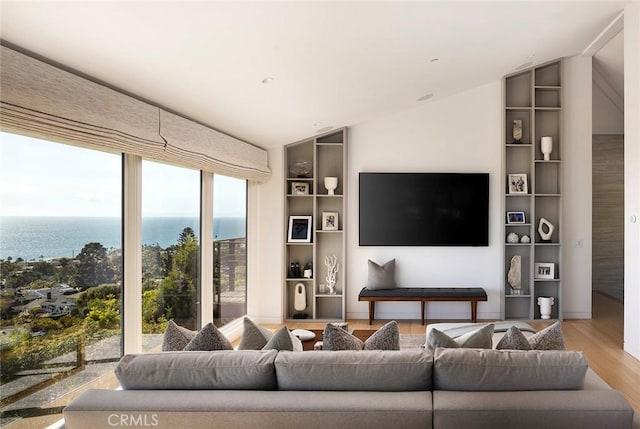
<point x="151" y="261"/>
<point x="101" y="292"/>
<point x="43" y="269"/>
<point x="93" y="266"/>
<point x="41" y="284"/>
<point x="65" y="270"/>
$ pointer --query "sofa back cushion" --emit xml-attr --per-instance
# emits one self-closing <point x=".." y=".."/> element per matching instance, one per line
<point x="508" y="370"/>
<point x="212" y="370"/>
<point x="363" y="370"/>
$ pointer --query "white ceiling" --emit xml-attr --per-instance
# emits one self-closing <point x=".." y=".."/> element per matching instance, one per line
<point x="332" y="63"/>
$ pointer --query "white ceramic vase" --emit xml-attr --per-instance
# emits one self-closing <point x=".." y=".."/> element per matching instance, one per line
<point x="546" y="146"/>
<point x="331" y="183"/>
<point x="545" y="304"/>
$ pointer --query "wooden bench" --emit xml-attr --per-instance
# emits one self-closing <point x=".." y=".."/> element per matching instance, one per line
<point x="424" y="295"/>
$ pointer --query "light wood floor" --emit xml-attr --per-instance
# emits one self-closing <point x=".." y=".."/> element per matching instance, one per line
<point x="600" y="338"/>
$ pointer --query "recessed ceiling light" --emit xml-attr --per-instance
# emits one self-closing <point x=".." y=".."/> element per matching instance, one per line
<point x="267" y="80"/>
<point x="425" y="97"/>
<point x="324" y="130"/>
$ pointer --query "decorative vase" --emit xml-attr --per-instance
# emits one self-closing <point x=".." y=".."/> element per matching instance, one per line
<point x="546" y="146"/>
<point x="331" y="183"/>
<point x="545" y="304"/>
<point x="300" y="298"/>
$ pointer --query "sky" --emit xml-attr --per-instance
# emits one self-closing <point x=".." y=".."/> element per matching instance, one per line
<point x="41" y="178"/>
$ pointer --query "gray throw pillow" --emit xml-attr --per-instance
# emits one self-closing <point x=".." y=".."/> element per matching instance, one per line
<point x="513" y="339"/>
<point x="550" y="338"/>
<point x="254" y="337"/>
<point x="283" y="340"/>
<point x="385" y="338"/>
<point x="209" y="338"/>
<point x="381" y="277"/>
<point x="335" y="338"/>
<point x="479" y="339"/>
<point x="176" y="337"/>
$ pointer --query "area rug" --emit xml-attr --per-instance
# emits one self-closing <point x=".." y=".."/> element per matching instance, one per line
<point x="412" y="342"/>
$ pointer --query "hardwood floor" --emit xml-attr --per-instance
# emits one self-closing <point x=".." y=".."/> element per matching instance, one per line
<point x="600" y="338"/>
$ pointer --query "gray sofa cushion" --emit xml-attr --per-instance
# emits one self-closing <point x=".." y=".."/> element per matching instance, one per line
<point x="284" y="340"/>
<point x="508" y="370"/>
<point x="216" y="370"/>
<point x="386" y="338"/>
<point x="373" y="370"/>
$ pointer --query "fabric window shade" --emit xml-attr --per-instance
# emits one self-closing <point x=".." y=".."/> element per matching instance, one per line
<point x="40" y="100"/>
<point x="210" y="150"/>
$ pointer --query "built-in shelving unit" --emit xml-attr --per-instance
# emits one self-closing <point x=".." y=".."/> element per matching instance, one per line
<point x="325" y="156"/>
<point x="534" y="97"/>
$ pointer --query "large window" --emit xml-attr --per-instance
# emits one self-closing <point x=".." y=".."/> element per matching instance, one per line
<point x="170" y="250"/>
<point x="230" y="248"/>
<point x="60" y="272"/>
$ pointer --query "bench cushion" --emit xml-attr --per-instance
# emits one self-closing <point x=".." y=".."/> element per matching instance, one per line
<point x="425" y="292"/>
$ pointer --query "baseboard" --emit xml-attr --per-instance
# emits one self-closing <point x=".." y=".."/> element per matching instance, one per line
<point x="578" y="315"/>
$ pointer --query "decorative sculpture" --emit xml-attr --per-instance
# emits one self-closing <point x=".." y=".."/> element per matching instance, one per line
<point x="332" y="269"/>
<point x="545" y="229"/>
<point x="512" y="238"/>
<point x="546" y="146"/>
<point x="517" y="130"/>
<point x="300" y="301"/>
<point x="514" y="277"/>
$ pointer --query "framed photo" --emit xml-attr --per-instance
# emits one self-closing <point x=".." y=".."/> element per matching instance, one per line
<point x="515" y="217"/>
<point x="299" y="229"/>
<point x="544" y="270"/>
<point x="329" y="221"/>
<point x="518" y="183"/>
<point x="299" y="188"/>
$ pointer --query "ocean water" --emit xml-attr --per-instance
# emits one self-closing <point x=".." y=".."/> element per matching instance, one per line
<point x="53" y="237"/>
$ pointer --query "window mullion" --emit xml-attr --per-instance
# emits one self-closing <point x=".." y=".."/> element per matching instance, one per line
<point x="206" y="288"/>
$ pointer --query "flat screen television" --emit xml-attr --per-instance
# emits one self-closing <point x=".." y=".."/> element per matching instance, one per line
<point x="424" y="209"/>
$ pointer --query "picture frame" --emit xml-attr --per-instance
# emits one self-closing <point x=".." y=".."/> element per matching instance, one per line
<point x="299" y="188"/>
<point x="516" y="217"/>
<point x="544" y="270"/>
<point x="330" y="221"/>
<point x="518" y="183"/>
<point x="299" y="230"/>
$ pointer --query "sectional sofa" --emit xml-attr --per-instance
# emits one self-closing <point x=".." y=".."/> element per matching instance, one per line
<point x="445" y="388"/>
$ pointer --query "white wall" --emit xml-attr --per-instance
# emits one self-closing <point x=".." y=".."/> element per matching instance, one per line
<point x="577" y="186"/>
<point x="632" y="179"/>
<point x="461" y="133"/>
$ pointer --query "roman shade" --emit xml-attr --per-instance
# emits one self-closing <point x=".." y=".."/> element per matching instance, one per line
<point x="40" y="100"/>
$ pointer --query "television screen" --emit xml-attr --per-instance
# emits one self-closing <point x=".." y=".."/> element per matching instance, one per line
<point x="424" y="209"/>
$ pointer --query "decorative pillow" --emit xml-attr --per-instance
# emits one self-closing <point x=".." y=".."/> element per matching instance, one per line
<point x="381" y="277"/>
<point x="550" y="338"/>
<point x="284" y="340"/>
<point x="479" y="339"/>
<point x="385" y="338"/>
<point x="335" y="338"/>
<point x="209" y="338"/>
<point x="513" y="339"/>
<point x="176" y="337"/>
<point x="254" y="337"/>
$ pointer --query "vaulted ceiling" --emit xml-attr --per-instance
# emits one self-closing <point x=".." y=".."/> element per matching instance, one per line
<point x="275" y="72"/>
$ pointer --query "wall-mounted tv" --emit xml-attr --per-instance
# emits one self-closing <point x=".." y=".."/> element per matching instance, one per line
<point x="424" y="209"/>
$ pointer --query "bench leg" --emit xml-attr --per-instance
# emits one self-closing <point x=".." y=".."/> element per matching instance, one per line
<point x="474" y="310"/>
<point x="372" y="311"/>
<point x="422" y="307"/>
